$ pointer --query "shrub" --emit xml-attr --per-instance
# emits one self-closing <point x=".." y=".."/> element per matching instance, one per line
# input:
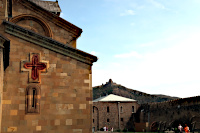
<point x="125" y="130"/>
<point x="118" y="130"/>
<point x="101" y="129"/>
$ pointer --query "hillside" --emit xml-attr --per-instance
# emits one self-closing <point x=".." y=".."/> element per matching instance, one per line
<point x="112" y="88"/>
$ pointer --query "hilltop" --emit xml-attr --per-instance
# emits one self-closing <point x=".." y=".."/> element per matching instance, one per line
<point x="112" y="88"/>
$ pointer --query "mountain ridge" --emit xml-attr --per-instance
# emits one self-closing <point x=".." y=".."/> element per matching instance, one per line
<point x="113" y="88"/>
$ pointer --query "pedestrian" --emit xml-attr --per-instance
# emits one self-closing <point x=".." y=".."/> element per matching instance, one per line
<point x="111" y="129"/>
<point x="186" y="129"/>
<point x="180" y="128"/>
<point x="104" y="128"/>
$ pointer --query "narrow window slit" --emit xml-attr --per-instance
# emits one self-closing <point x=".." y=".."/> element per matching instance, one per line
<point x="33" y="101"/>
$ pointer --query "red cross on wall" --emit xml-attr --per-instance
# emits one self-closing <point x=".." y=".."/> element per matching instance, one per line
<point x="34" y="67"/>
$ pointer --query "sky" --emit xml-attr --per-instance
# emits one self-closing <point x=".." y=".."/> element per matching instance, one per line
<point x="151" y="46"/>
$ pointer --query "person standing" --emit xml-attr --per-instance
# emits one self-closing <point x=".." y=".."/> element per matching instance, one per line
<point x="104" y="128"/>
<point x="180" y="128"/>
<point x="186" y="129"/>
<point x="111" y="129"/>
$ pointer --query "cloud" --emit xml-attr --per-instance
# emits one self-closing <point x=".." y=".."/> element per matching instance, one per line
<point x="150" y="44"/>
<point x="129" y="55"/>
<point x="171" y="71"/>
<point x="156" y="4"/>
<point x="127" y="13"/>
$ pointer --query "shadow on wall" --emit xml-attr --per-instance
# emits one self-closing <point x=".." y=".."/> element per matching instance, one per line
<point x="135" y="118"/>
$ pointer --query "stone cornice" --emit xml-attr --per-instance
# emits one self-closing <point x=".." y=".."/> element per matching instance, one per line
<point x="1" y="46"/>
<point x="1" y="43"/>
<point x="5" y="44"/>
<point x="52" y="17"/>
<point x="48" y="43"/>
<point x="2" y="40"/>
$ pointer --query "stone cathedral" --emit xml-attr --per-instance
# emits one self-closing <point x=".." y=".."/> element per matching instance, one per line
<point x="45" y="81"/>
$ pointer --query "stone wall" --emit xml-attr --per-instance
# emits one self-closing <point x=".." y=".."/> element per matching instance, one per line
<point x="2" y="10"/>
<point x="119" y="116"/>
<point x="1" y="80"/>
<point x="65" y="89"/>
<point x="61" y="33"/>
<point x="65" y="102"/>
<point x="168" y="115"/>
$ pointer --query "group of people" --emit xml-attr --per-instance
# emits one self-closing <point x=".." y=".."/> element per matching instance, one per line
<point x="180" y="128"/>
<point x="106" y="129"/>
<point x="186" y="128"/>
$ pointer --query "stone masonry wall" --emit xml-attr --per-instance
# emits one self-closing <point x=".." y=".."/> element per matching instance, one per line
<point x="1" y="80"/>
<point x="65" y="103"/>
<point x="171" y="113"/>
<point x="126" y="115"/>
<point x="2" y="10"/>
<point x="59" y="34"/>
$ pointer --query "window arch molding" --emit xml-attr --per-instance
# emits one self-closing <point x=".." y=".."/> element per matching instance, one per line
<point x="33" y="94"/>
<point x="45" y="25"/>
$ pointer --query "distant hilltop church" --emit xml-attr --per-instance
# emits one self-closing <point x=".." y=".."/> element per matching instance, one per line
<point x="45" y="81"/>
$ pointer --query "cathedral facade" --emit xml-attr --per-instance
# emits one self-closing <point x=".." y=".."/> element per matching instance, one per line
<point x="45" y="81"/>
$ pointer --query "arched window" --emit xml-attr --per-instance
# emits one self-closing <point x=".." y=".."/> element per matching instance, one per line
<point x="121" y="109"/>
<point x="33" y="99"/>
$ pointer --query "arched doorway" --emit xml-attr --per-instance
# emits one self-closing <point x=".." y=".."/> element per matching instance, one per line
<point x="95" y="118"/>
<point x="154" y="126"/>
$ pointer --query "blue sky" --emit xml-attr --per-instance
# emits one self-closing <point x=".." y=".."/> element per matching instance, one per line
<point x="151" y="46"/>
